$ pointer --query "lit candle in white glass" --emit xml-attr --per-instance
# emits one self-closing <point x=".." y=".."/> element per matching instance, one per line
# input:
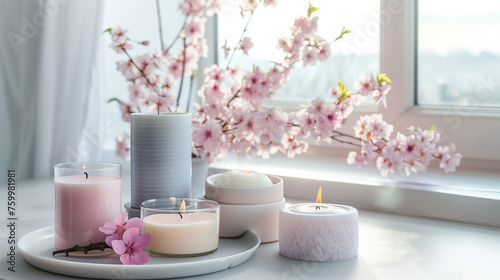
<point x="187" y="230"/>
<point x="318" y="231"/>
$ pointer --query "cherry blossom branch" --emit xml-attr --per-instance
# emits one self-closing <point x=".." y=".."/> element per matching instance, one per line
<point x="233" y="98"/>
<point x="178" y="35"/>
<point x="159" y="23"/>
<point x="143" y="74"/>
<point x="241" y="39"/>
<point x="85" y="249"/>
<point x="182" y="73"/>
<point x="190" y="91"/>
<point x="334" y="137"/>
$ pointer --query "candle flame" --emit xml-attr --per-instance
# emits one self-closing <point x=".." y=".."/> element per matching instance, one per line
<point x="84" y="166"/>
<point x="245" y="169"/>
<point x="318" y="198"/>
<point x="183" y="206"/>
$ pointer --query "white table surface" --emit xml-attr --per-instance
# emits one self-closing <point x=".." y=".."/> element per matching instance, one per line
<point x="391" y="247"/>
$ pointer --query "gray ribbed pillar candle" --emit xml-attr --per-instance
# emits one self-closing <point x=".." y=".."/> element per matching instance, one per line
<point x="160" y="150"/>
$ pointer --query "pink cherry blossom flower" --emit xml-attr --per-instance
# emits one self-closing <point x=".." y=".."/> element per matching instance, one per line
<point x="175" y="68"/>
<point x="379" y="95"/>
<point x="389" y="163"/>
<point x="118" y="35"/>
<point x="310" y="56"/>
<point x="130" y="248"/>
<point x="209" y="135"/>
<point x="119" y="48"/>
<point x="270" y="3"/>
<point x="364" y="85"/>
<point x="249" y="5"/>
<point x="361" y="129"/>
<point x="213" y="7"/>
<point x="284" y="44"/>
<point x="194" y="7"/>
<point x="226" y="49"/>
<point x="270" y="121"/>
<point x="245" y="129"/>
<point x="246" y="44"/>
<point x="358" y="159"/>
<point x="235" y="75"/>
<point x="214" y="73"/>
<point x="120" y="224"/>
<point x="449" y="159"/>
<point x="317" y="106"/>
<point x="324" y="52"/>
<point x="329" y="122"/>
<point x="126" y="109"/>
<point x="128" y="70"/>
<point x="379" y="128"/>
<point x="407" y="147"/>
<point x="195" y="28"/>
<point x="334" y="91"/>
<point x="122" y="146"/>
<point x="137" y="94"/>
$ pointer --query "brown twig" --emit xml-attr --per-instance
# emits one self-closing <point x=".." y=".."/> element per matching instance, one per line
<point x="77" y="248"/>
<point x="176" y="37"/>
<point x="182" y="75"/>
<point x="240" y="41"/>
<point x="340" y="134"/>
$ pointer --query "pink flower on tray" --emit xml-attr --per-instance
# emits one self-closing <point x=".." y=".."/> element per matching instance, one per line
<point x="117" y="228"/>
<point x="130" y="248"/>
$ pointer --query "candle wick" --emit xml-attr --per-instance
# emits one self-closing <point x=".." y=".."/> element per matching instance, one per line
<point x="158" y="110"/>
<point x="318" y="208"/>
<point x="86" y="176"/>
<point x="180" y="215"/>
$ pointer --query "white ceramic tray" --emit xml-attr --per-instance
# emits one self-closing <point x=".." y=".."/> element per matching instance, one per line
<point x="37" y="246"/>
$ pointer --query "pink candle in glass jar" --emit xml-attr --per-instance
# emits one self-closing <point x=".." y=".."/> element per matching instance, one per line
<point x="86" y="196"/>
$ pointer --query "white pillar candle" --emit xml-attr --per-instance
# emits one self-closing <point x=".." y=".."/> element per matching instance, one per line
<point x="160" y="156"/>
<point x="180" y="232"/>
<point x="318" y="232"/>
<point x="85" y="199"/>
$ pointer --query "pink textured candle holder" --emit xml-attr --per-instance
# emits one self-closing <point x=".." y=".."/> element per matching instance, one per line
<point x="318" y="232"/>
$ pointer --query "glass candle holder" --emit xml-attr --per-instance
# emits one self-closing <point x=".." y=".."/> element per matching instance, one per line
<point x="181" y="227"/>
<point x="87" y="195"/>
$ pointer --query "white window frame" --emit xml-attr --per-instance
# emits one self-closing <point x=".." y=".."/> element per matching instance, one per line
<point x="474" y="131"/>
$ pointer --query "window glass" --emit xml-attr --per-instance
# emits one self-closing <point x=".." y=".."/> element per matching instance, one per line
<point x="357" y="53"/>
<point x="459" y="53"/>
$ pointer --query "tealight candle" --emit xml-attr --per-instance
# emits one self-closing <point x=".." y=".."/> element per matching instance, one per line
<point x="187" y="230"/>
<point x="87" y="195"/>
<point x="318" y="231"/>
